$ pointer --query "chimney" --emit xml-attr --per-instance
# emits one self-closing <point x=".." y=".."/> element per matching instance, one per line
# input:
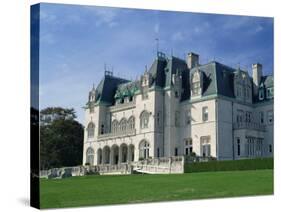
<point x="192" y="60"/>
<point x="257" y="74"/>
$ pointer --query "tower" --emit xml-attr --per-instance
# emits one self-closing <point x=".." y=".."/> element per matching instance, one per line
<point x="257" y="74"/>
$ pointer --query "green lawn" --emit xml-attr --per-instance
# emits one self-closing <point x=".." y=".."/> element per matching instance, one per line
<point x="101" y="190"/>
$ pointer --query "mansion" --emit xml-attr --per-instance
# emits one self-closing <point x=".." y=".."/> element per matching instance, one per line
<point x="180" y="107"/>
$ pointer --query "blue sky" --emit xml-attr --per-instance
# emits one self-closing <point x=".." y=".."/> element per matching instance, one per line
<point x="76" y="41"/>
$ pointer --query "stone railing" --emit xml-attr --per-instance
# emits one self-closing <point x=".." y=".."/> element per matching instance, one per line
<point x="249" y="125"/>
<point x="128" y="132"/>
<point x="63" y="172"/>
<point x="111" y="169"/>
<point x="165" y="165"/>
<point x="123" y="106"/>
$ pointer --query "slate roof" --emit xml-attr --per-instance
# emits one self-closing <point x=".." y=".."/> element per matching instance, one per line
<point x="217" y="79"/>
<point x="267" y="81"/>
<point x="107" y="87"/>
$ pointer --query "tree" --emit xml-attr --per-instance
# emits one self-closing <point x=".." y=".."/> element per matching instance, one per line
<point x="61" y="139"/>
<point x="49" y="114"/>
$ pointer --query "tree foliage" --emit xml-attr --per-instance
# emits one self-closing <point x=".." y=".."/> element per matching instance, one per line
<point x="61" y="141"/>
<point x="50" y="114"/>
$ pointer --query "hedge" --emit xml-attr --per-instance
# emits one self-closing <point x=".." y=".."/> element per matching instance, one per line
<point x="229" y="165"/>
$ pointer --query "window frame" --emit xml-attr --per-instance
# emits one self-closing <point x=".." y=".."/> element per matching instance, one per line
<point x="205" y="114"/>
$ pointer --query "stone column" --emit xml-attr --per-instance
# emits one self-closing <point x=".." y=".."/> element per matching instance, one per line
<point x="111" y="156"/>
<point x="136" y="157"/>
<point x="129" y="156"/>
<point x="102" y="156"/>
<point x="120" y="155"/>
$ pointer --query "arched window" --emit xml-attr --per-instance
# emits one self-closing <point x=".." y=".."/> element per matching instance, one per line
<point x="91" y="130"/>
<point x="144" y="119"/>
<point x="144" y="149"/>
<point x="90" y="156"/>
<point x="131" y="123"/>
<point x="114" y="128"/>
<point x="123" y="124"/>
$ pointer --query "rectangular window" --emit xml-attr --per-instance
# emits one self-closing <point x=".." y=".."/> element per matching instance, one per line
<point x="196" y="88"/>
<point x="270" y="117"/>
<point x="205" y="146"/>
<point x="238" y="146"/>
<point x="177" y="118"/>
<point x="188" y="117"/>
<point x="270" y="148"/>
<point x="206" y="150"/>
<point x="188" y="146"/>
<point x="261" y="117"/>
<point x="239" y="117"/>
<point x="269" y="93"/>
<point x="248" y="117"/>
<point x="158" y="118"/>
<point x="176" y="151"/>
<point x="205" y="114"/>
<point x="158" y="152"/>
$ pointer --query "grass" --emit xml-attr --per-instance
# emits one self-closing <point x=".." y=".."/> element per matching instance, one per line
<point x="103" y="190"/>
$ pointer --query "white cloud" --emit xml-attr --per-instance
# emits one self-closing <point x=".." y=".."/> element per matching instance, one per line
<point x="47" y="38"/>
<point x="178" y="36"/>
<point x="259" y="28"/>
<point x="47" y="17"/>
<point x="104" y="15"/>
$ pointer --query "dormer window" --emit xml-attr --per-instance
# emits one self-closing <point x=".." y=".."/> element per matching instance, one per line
<point x="196" y="83"/>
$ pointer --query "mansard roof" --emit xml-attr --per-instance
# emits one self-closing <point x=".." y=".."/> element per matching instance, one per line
<point x="218" y="79"/>
<point x="107" y="87"/>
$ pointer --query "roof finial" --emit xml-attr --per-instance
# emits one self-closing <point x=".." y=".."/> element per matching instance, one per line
<point x="157" y="46"/>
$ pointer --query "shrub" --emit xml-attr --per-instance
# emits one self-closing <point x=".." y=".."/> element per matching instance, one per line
<point x="229" y="165"/>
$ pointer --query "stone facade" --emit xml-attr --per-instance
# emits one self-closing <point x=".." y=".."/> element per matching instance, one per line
<point x="179" y="107"/>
